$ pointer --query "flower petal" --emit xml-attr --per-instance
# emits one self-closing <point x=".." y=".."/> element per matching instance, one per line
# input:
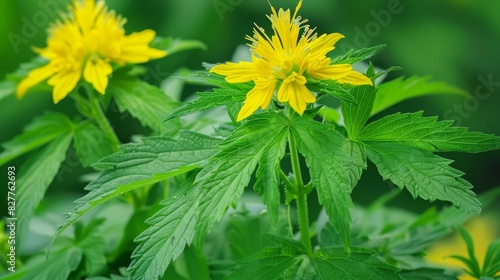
<point x="240" y="72"/>
<point x="34" y="77"/>
<point x="355" y="78"/>
<point x="331" y="72"/>
<point x="63" y="83"/>
<point x="96" y="73"/>
<point x="135" y="48"/>
<point x="259" y="96"/>
<point x="297" y="95"/>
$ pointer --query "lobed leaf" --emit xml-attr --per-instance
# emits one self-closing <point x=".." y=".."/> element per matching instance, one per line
<point x="400" y="89"/>
<point x="335" y="165"/>
<point x="140" y="164"/>
<point x="222" y="180"/>
<point x="424" y="174"/>
<point x="427" y="133"/>
<point x="217" y="186"/>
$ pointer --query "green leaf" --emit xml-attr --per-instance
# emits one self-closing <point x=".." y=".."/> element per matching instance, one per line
<point x="427" y="274"/>
<point x="226" y="174"/>
<point x="472" y="262"/>
<point x="7" y="88"/>
<point x="491" y="266"/>
<point x="335" y="165"/>
<point x="271" y="263"/>
<point x="268" y="177"/>
<point x="356" y="115"/>
<point x="358" y="264"/>
<point x="93" y="246"/>
<point x="325" y="264"/>
<point x="424" y="174"/>
<point x="427" y="133"/>
<point x="35" y="177"/>
<point x="333" y="88"/>
<point x="143" y="101"/>
<point x="91" y="143"/>
<point x="400" y="89"/>
<point x="353" y="56"/>
<point x="59" y="265"/>
<point x="139" y="164"/>
<point x="173" y="45"/>
<point x="170" y="230"/>
<point x="225" y="94"/>
<point x="39" y="132"/>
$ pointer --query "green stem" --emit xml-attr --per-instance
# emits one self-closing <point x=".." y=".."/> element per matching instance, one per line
<point x="301" y="196"/>
<point x="102" y="120"/>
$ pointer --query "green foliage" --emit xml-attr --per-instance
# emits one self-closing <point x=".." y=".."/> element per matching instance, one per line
<point x="145" y="102"/>
<point x="424" y="174"/>
<point x="141" y="164"/>
<point x="400" y="89"/>
<point x="427" y="133"/>
<point x="38" y="133"/>
<point x="289" y="261"/>
<point x="491" y="265"/>
<point x="91" y="144"/>
<point x="353" y="56"/>
<point x="34" y="178"/>
<point x="174" y="45"/>
<point x="334" y="172"/>
<point x="356" y="114"/>
<point x="225" y="95"/>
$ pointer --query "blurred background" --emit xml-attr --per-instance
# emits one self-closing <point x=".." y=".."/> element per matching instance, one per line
<point x="455" y="41"/>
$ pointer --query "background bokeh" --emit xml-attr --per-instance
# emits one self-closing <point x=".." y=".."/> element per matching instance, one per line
<point x="455" y="41"/>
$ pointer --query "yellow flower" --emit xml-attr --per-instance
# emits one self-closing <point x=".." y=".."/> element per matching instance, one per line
<point x="284" y="61"/>
<point x="86" y="41"/>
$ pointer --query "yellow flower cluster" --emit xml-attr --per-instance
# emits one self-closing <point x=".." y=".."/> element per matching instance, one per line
<point x="284" y="61"/>
<point x="86" y="42"/>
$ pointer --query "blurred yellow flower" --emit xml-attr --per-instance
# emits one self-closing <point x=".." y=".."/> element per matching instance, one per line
<point x="483" y="231"/>
<point x="85" y="42"/>
<point x="285" y="61"/>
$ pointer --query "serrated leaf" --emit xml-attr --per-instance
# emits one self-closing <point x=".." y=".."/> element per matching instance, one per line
<point x="333" y="88"/>
<point x="170" y="230"/>
<point x="472" y="262"/>
<point x="271" y="263"/>
<point x="427" y="274"/>
<point x="225" y="94"/>
<point x="91" y="144"/>
<point x="356" y="114"/>
<point x="39" y="132"/>
<point x="268" y="177"/>
<point x="222" y="180"/>
<point x="358" y="264"/>
<point x="424" y="174"/>
<point x="325" y="264"/>
<point x="335" y="165"/>
<point x="139" y="164"/>
<point x="35" y="177"/>
<point x="173" y="45"/>
<point x="353" y="56"/>
<point x="400" y="89"/>
<point x="145" y="102"/>
<point x="427" y="133"/>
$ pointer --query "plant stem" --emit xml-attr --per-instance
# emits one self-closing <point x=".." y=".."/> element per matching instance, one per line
<point x="102" y="120"/>
<point x="301" y="196"/>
